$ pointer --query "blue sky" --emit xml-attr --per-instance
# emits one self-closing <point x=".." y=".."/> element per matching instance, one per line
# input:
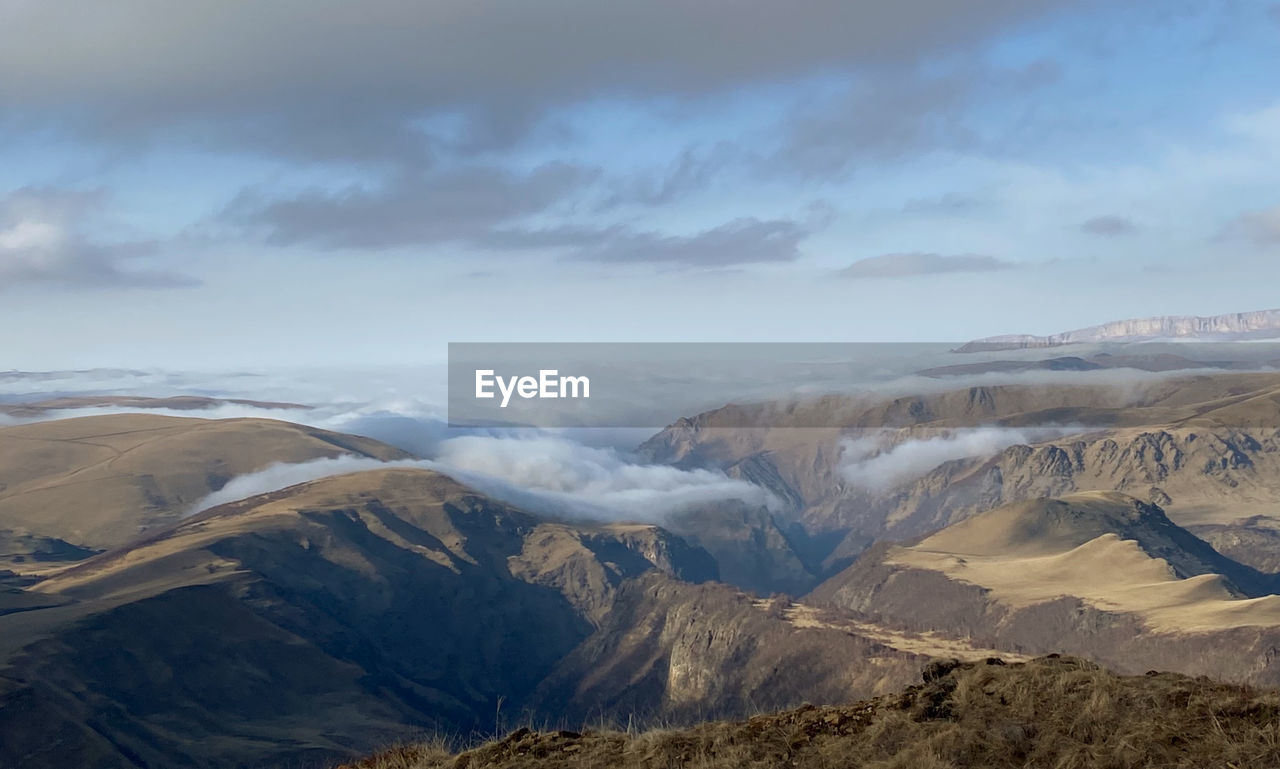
<point x="217" y="184"/>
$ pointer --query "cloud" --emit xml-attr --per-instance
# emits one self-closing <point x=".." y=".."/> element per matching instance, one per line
<point x="742" y="241"/>
<point x="690" y="171"/>
<point x="358" y="81"/>
<point x="44" y="238"/>
<point x="482" y="207"/>
<point x="870" y="463"/>
<point x="912" y="264"/>
<point x="894" y="113"/>
<point x="281" y="475"/>
<point x="410" y="210"/>
<point x="950" y="204"/>
<point x="547" y="475"/>
<point x="1109" y="226"/>
<point x="1261" y="228"/>
<point x="556" y="473"/>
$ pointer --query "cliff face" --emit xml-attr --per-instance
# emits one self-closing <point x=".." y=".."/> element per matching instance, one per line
<point x="1262" y="324"/>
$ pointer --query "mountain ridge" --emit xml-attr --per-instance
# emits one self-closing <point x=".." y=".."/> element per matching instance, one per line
<point x="1236" y="325"/>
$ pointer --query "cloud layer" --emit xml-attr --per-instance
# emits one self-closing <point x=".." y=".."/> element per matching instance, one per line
<point x="266" y="75"/>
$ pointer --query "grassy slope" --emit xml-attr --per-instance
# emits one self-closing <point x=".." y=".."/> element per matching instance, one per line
<point x="1050" y="712"/>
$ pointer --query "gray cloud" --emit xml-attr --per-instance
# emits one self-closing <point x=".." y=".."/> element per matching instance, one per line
<point x="409" y="210"/>
<point x="354" y="81"/>
<point x="44" y="238"/>
<point x="891" y="113"/>
<point x="950" y="204"/>
<point x="483" y="207"/>
<point x="912" y="264"/>
<point x="747" y="240"/>
<point x="1261" y="228"/>
<point x="742" y="241"/>
<point x="1109" y="226"/>
<point x="692" y="170"/>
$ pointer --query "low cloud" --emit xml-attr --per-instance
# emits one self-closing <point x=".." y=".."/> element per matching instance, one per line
<point x="1109" y="226"/>
<point x="874" y="463"/>
<point x="45" y="238"/>
<point x="549" y="475"/>
<point x="904" y="265"/>
<point x="552" y="474"/>
<point x="281" y="475"/>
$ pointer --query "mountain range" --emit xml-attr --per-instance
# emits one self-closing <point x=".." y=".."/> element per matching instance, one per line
<point x="1132" y="524"/>
<point x="1262" y="324"/>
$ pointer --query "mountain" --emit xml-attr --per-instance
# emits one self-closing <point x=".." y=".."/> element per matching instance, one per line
<point x="326" y="619"/>
<point x="671" y="652"/>
<point x="1263" y="324"/>
<point x="751" y="550"/>
<point x="856" y="469"/>
<point x="309" y="623"/>
<point x="1100" y="361"/>
<point x="1098" y="574"/>
<point x="1053" y="711"/>
<point x="99" y="482"/>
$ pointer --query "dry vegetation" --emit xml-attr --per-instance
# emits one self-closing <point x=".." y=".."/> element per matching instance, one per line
<point x="1051" y="712"/>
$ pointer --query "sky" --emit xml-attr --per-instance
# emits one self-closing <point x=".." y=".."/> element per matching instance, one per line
<point x="213" y="184"/>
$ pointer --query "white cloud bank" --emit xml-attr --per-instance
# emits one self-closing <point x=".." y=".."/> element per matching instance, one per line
<point x="874" y="463"/>
<point x="544" y="474"/>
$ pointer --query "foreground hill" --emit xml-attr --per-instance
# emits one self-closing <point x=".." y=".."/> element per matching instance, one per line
<point x="99" y="482"/>
<point x="1096" y="574"/>
<point x="1058" y="712"/>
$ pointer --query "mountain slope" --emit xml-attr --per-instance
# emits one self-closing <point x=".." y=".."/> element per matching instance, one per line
<point x="329" y="618"/>
<point x="309" y="622"/>
<point x="1206" y="448"/>
<point x="674" y="652"/>
<point x="98" y="482"/>
<point x="1098" y="574"/>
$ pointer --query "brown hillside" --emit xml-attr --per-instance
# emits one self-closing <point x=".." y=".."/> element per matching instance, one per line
<point x="100" y="481"/>
<point x="1051" y="712"/>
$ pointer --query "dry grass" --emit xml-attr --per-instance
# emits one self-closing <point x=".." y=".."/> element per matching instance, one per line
<point x="1057" y="713"/>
